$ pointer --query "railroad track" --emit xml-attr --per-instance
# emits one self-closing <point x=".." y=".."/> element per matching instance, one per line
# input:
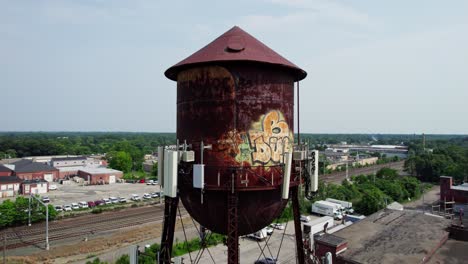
<point x="338" y="177"/>
<point x="82" y="226"/>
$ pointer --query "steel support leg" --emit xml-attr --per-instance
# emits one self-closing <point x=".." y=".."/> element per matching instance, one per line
<point x="167" y="237"/>
<point x="297" y="225"/>
<point x="233" y="235"/>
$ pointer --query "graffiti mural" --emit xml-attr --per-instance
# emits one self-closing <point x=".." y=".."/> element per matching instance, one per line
<point x="266" y="141"/>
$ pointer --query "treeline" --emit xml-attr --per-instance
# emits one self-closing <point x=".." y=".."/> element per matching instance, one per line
<point x="17" y="212"/>
<point x="446" y="158"/>
<point x="22" y="144"/>
<point x="374" y="139"/>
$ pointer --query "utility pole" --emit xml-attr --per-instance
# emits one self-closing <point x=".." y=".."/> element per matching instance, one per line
<point x="29" y="210"/>
<point x="4" y="248"/>
<point x="424" y="141"/>
<point x="47" y="218"/>
<point x="347" y="173"/>
<point x="422" y="190"/>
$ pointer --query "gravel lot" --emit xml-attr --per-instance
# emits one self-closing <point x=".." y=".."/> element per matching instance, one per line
<point x="67" y="194"/>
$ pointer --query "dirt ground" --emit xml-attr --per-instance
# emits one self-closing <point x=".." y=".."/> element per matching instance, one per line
<point x="82" y="250"/>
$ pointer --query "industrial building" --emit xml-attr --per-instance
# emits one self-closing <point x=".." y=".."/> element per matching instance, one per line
<point x="449" y="192"/>
<point x="68" y="161"/>
<point x="387" y="236"/>
<point x="29" y="170"/>
<point x="388" y="150"/>
<point x="99" y="175"/>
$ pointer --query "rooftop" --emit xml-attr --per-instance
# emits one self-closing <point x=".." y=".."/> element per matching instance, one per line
<point x="461" y="187"/>
<point x="4" y="169"/>
<point x="390" y="236"/>
<point x="26" y="165"/>
<point x="68" y="158"/>
<point x="98" y="170"/>
<point x="34" y="181"/>
<point x="331" y="240"/>
<point x="9" y="179"/>
<point x="235" y="45"/>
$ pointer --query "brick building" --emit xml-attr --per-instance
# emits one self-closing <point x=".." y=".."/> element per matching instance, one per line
<point x="449" y="192"/>
<point x="4" y="171"/>
<point x="99" y="175"/>
<point x="28" y="170"/>
<point x="9" y="186"/>
<point x="36" y="186"/>
<point x="330" y="243"/>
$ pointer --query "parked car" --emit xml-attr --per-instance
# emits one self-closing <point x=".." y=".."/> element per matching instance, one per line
<point x="45" y="199"/>
<point x="58" y="208"/>
<point x="122" y="200"/>
<point x="99" y="202"/>
<point x="83" y="204"/>
<point x="75" y="206"/>
<point x="278" y="226"/>
<point x="106" y="201"/>
<point x="304" y="218"/>
<point x="269" y="230"/>
<point x="114" y="200"/>
<point x="142" y="181"/>
<point x="266" y="261"/>
<point x="146" y="196"/>
<point x="154" y="195"/>
<point x="52" y="187"/>
<point x="67" y="208"/>
<point x="156" y="182"/>
<point x="135" y="197"/>
<point x="91" y="204"/>
<point x="150" y="182"/>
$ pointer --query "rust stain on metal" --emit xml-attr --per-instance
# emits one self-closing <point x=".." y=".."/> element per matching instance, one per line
<point x="243" y="105"/>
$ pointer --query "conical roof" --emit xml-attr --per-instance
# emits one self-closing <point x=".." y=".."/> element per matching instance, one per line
<point x="235" y="45"/>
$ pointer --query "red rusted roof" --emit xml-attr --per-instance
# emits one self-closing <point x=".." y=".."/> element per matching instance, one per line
<point x="235" y="45"/>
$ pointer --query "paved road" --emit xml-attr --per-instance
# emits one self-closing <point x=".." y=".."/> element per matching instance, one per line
<point x="338" y="177"/>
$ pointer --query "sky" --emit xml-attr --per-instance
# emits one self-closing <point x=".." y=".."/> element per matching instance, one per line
<point x="98" y="65"/>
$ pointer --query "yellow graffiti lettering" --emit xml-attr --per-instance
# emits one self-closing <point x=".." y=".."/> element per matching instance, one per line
<point x="271" y="140"/>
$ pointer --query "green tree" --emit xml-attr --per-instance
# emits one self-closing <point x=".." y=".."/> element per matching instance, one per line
<point x="387" y="173"/>
<point x="7" y="213"/>
<point x="372" y="200"/>
<point x="120" y="160"/>
<point x="124" y="259"/>
<point x="154" y="170"/>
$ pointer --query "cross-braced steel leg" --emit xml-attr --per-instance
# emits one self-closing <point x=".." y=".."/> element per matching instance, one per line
<point x="233" y="235"/>
<point x="297" y="225"/>
<point x="167" y="237"/>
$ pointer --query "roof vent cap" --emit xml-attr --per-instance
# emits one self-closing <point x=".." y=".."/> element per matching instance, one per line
<point x="235" y="44"/>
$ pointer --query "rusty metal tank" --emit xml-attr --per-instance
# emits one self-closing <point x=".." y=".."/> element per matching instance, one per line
<point x="237" y="95"/>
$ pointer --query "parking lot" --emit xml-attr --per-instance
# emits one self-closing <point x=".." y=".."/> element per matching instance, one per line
<point x="74" y="192"/>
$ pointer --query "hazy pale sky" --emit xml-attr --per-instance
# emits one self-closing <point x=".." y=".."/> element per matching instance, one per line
<point x="97" y="65"/>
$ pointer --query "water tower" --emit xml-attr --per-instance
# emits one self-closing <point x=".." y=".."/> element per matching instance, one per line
<point x="236" y="165"/>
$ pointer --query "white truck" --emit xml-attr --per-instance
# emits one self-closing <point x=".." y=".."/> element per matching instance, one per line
<point x="318" y="225"/>
<point x="259" y="235"/>
<point x="348" y="206"/>
<point x="328" y="208"/>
